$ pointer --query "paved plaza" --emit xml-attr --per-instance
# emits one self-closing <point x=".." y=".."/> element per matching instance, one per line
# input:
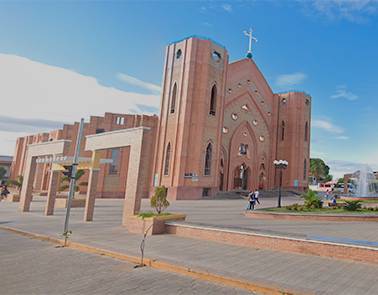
<point x="35" y="267"/>
<point x="299" y="272"/>
<point x="230" y="214"/>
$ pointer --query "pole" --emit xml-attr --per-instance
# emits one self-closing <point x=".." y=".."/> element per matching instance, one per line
<point x="279" y="189"/>
<point x="73" y="178"/>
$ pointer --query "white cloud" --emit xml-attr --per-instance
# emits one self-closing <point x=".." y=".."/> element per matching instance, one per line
<point x="357" y="11"/>
<point x="139" y="83"/>
<point x="327" y="126"/>
<point x="227" y="7"/>
<point x="343" y="93"/>
<point x="42" y="95"/>
<point x="287" y="80"/>
<point x="342" y="137"/>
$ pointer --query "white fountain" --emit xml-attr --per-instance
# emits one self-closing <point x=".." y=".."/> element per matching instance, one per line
<point x="365" y="183"/>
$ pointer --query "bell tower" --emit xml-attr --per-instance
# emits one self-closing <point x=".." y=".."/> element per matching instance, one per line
<point x="191" y="116"/>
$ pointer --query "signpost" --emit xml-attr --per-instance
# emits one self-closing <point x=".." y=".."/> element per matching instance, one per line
<point x="70" y="165"/>
<point x="71" y="192"/>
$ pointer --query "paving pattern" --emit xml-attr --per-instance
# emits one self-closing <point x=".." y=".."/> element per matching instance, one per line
<point x="230" y="214"/>
<point x="35" y="267"/>
<point x="293" y="271"/>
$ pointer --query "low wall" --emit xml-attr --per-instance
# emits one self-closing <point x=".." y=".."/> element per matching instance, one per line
<point x="150" y="225"/>
<point x="305" y="217"/>
<point x="286" y="244"/>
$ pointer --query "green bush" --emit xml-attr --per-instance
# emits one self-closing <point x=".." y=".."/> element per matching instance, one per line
<point x="159" y="200"/>
<point x="294" y="207"/>
<point x="352" y="205"/>
<point x="312" y="200"/>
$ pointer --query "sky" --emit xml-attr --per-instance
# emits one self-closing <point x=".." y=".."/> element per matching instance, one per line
<point x="60" y="61"/>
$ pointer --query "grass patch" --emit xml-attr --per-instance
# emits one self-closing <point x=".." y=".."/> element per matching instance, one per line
<point x="362" y="211"/>
<point x="148" y="214"/>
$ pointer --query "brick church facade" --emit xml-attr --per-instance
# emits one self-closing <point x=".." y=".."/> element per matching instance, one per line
<point x="220" y="129"/>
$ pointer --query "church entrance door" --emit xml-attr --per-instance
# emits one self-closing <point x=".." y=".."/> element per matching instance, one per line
<point x="241" y="174"/>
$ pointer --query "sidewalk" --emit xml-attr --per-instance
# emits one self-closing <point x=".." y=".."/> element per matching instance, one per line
<point x="292" y="271"/>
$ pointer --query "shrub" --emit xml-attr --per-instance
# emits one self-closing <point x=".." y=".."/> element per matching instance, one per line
<point x="159" y="200"/>
<point x="312" y="200"/>
<point x="16" y="182"/>
<point x="352" y="205"/>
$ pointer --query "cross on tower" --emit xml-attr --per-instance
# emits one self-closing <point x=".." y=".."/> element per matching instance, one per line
<point x="251" y="38"/>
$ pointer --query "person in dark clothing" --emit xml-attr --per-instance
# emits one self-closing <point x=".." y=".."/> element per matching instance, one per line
<point x="252" y="200"/>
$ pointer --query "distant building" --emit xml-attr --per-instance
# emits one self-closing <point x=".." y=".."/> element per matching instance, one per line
<point x="220" y="129"/>
<point x="6" y="162"/>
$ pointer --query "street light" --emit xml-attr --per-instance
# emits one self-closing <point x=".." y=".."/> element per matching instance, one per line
<point x="281" y="165"/>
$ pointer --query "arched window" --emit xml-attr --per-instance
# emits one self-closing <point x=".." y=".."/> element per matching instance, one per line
<point x="213" y="100"/>
<point x="167" y="159"/>
<point x="304" y="169"/>
<point x="243" y="149"/>
<point x="306" y="132"/>
<point x="173" y="98"/>
<point x="208" y="156"/>
<point x="282" y="130"/>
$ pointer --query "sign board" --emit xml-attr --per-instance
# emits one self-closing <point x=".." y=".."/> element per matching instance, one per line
<point x="65" y="160"/>
<point x="296" y="183"/>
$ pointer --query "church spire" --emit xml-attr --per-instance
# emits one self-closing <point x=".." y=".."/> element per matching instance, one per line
<point x="251" y="38"/>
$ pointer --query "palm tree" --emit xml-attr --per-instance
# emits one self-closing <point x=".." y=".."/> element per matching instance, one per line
<point x="65" y="180"/>
<point x="16" y="182"/>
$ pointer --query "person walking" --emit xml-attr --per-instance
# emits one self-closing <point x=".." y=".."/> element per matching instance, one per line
<point x="256" y="196"/>
<point x="252" y="201"/>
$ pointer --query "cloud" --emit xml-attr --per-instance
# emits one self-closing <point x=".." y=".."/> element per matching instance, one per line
<point x="139" y="83"/>
<point x="23" y="124"/>
<point x="357" y="11"/>
<point x="227" y="7"/>
<point x="342" y="137"/>
<point x="343" y="93"/>
<point x="327" y="126"/>
<point x="48" y="95"/>
<point x="286" y="80"/>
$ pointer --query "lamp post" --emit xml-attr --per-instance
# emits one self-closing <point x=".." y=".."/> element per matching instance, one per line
<point x="281" y="165"/>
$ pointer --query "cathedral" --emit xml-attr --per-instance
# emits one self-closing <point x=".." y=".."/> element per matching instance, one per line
<point x="220" y="129"/>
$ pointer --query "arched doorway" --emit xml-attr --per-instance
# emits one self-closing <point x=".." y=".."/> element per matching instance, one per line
<point x="241" y="174"/>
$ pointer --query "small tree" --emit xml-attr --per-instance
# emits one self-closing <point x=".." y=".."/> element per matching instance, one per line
<point x="159" y="199"/>
<point x="16" y="182"/>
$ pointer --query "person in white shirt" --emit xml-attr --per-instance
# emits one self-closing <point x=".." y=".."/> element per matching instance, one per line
<point x="256" y="196"/>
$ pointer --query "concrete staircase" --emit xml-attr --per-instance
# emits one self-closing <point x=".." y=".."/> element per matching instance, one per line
<point x="242" y="194"/>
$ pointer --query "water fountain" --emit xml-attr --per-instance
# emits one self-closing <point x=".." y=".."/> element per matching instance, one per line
<point x="364" y="184"/>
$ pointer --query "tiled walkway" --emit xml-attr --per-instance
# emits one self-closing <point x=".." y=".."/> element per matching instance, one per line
<point x="294" y="271"/>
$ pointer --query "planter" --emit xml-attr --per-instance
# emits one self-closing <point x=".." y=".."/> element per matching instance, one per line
<point x="13" y="198"/>
<point x="154" y="225"/>
<point x="76" y="203"/>
<point x="312" y="216"/>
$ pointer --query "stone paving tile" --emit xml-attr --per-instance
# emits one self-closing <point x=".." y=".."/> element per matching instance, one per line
<point x="296" y="271"/>
<point x="35" y="267"/>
